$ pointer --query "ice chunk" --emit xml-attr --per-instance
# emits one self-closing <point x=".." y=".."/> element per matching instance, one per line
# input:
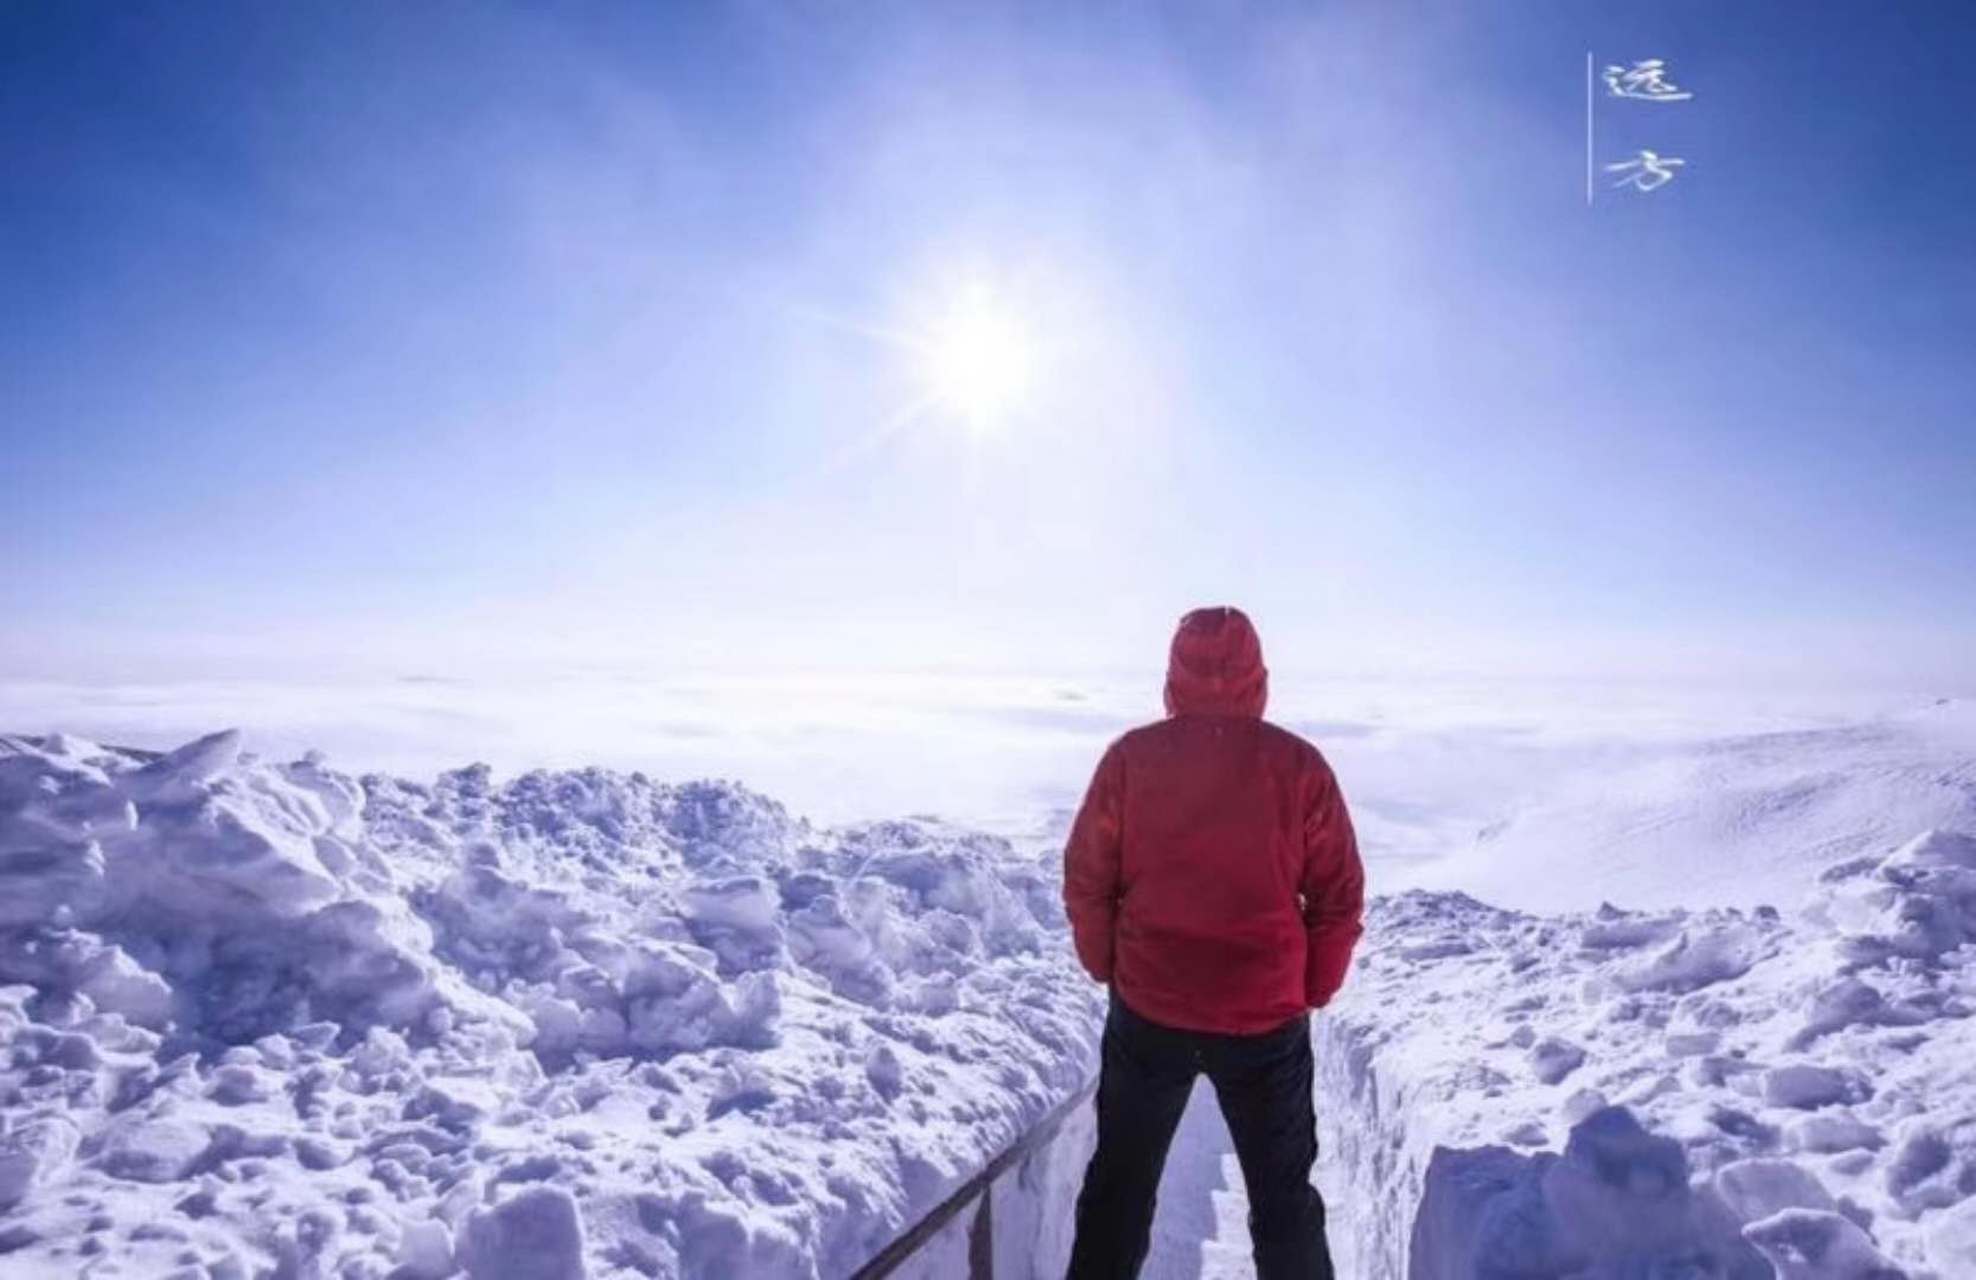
<point x="115" y="983"/>
<point x="368" y="963"/>
<point x="32" y="1154"/>
<point x="425" y="1250"/>
<point x="69" y="962"/>
<point x="1693" y="1044"/>
<point x="1616" y="1203"/>
<point x="1552" y="1059"/>
<point x="154" y="1150"/>
<point x="736" y="918"/>
<point x="1581" y="1105"/>
<point x="1920" y="903"/>
<point x="230" y="855"/>
<point x="1925" y="1171"/>
<point x="1759" y="1188"/>
<point x="884" y="1070"/>
<point x="1842" y="1003"/>
<point x="1612" y="930"/>
<point x="1700" y="956"/>
<point x="237" y="1084"/>
<point x="1807" y="1087"/>
<point x="342" y="800"/>
<point x="821" y="938"/>
<point x="1811" y="1244"/>
<point x="179" y="776"/>
<point x="535" y="1235"/>
<point x="1835" y="1130"/>
<point x="739" y="902"/>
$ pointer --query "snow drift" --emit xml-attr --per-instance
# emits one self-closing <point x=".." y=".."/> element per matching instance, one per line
<point x="264" y="1018"/>
<point x="1731" y="1094"/>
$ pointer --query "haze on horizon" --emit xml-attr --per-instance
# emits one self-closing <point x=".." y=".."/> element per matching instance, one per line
<point x="445" y="338"/>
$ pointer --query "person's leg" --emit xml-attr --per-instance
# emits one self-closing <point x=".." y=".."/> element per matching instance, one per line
<point x="1264" y="1085"/>
<point x="1144" y="1077"/>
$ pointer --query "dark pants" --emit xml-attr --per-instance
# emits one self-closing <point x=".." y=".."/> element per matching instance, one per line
<point x="1264" y="1085"/>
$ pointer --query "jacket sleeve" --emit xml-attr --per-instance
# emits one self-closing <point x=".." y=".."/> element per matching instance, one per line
<point x="1333" y="891"/>
<point x="1091" y="866"/>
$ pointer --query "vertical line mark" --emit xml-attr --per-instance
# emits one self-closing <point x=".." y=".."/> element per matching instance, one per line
<point x="1588" y="128"/>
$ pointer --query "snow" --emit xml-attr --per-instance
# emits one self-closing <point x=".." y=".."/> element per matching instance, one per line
<point x="268" y="1018"/>
<point x="1597" y="1094"/>
<point x="535" y="1235"/>
<point x="1200" y="1222"/>
<point x="1737" y="819"/>
<point x="264" y="1017"/>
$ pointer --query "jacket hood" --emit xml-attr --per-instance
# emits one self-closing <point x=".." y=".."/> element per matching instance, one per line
<point x="1215" y="667"/>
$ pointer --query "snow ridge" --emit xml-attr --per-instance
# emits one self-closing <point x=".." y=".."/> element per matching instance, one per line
<point x="265" y="1018"/>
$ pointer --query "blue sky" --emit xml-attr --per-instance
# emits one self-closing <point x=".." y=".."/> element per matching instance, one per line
<point x="435" y="336"/>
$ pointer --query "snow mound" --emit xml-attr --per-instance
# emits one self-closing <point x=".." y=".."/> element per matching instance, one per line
<point x="265" y="1018"/>
<point x="1725" y="1093"/>
<point x="1737" y="821"/>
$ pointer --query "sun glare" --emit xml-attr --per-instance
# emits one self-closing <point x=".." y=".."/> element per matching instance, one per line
<point x="978" y="360"/>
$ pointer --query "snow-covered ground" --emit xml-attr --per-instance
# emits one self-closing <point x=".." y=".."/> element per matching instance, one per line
<point x="269" y="1018"/>
<point x="1726" y="1086"/>
<point x="1718" y="820"/>
<point x="264" y="1018"/>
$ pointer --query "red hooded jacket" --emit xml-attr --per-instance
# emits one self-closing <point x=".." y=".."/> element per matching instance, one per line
<point x="1212" y="876"/>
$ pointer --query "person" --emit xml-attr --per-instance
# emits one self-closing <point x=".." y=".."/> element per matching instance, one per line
<point x="1213" y="883"/>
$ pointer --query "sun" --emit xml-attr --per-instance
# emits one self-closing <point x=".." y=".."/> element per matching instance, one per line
<point x="978" y="360"/>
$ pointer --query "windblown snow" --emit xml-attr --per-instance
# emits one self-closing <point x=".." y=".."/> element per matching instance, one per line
<point x="264" y="1019"/>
